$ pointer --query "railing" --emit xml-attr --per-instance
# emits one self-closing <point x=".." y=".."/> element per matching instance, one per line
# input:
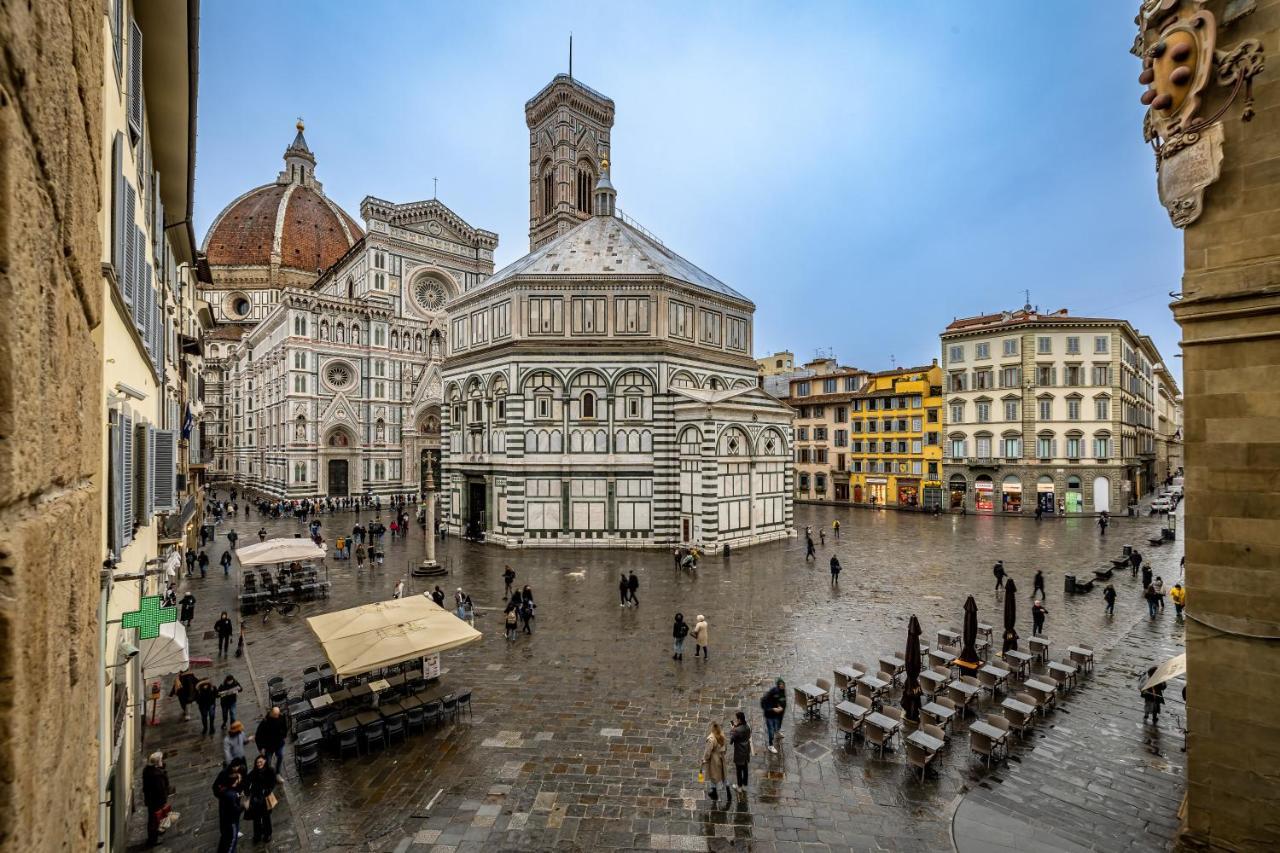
<point x="636" y="225"/>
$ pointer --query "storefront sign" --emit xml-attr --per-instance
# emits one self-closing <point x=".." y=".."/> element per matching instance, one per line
<point x="431" y="666"/>
<point x="877" y="480"/>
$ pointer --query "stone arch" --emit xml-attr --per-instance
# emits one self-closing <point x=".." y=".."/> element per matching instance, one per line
<point x="339" y="436"/>
<point x="733" y="441"/>
<point x="690" y="441"/>
<point x="683" y="379"/>
<point x="779" y="442"/>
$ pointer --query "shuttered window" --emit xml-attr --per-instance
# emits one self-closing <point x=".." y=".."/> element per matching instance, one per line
<point x="146" y="438"/>
<point x="164" y="470"/>
<point x="129" y="245"/>
<point x="128" y="511"/>
<point x="119" y="224"/>
<point x="135" y="81"/>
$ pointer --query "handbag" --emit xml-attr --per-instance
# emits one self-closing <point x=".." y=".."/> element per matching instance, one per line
<point x="271" y="801"/>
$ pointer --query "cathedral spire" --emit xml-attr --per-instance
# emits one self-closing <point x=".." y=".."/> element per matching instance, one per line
<point x="299" y="162"/>
<point x="605" y="194"/>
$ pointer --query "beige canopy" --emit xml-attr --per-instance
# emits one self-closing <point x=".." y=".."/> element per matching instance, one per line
<point x="279" y="551"/>
<point x="383" y="633"/>
<point x="1167" y="671"/>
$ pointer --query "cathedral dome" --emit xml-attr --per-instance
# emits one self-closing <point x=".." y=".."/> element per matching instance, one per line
<point x="288" y="231"/>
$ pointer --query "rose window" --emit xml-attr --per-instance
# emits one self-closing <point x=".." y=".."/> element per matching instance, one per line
<point x="430" y="294"/>
<point x="339" y="375"/>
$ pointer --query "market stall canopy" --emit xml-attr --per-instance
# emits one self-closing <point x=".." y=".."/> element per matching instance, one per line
<point x="1167" y="671"/>
<point x="167" y="654"/>
<point x="371" y="636"/>
<point x="279" y="551"/>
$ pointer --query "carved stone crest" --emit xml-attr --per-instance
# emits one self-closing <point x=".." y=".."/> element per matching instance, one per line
<point x="1185" y="172"/>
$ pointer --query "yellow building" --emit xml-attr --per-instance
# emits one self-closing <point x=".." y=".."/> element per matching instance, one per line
<point x="895" y="447"/>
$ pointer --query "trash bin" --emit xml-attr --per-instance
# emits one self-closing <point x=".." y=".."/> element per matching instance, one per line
<point x="1128" y="549"/>
<point x="1069" y="583"/>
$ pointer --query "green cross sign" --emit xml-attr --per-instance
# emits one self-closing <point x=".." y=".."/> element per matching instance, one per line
<point x="149" y="617"/>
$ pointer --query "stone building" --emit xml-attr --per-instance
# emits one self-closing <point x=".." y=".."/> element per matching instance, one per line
<point x="324" y="374"/>
<point x="1212" y="123"/>
<point x="822" y="405"/>
<point x="895" y="439"/>
<point x="1168" y="425"/>
<point x="778" y="363"/>
<point x="1048" y="410"/>
<point x="600" y="390"/>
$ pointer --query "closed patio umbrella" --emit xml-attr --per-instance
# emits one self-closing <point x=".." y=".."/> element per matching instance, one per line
<point x="969" y="652"/>
<point x="1010" y="615"/>
<point x="911" y="687"/>
<point x="1167" y="671"/>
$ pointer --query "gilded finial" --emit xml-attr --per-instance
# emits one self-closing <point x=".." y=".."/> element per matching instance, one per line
<point x="604" y="163"/>
<point x="299" y="125"/>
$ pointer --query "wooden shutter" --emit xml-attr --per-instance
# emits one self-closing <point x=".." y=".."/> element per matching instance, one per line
<point x="135" y="80"/>
<point x="129" y="247"/>
<point x="164" y="470"/>
<point x="128" y="511"/>
<point x="146" y="438"/>
<point x="115" y="504"/>
<point x="118" y="222"/>
<point x="140" y="297"/>
<point x="117" y="32"/>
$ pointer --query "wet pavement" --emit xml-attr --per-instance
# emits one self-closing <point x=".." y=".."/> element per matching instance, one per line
<point x="587" y="736"/>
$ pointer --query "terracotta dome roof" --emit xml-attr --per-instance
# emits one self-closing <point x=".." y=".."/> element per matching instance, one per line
<point x="286" y="224"/>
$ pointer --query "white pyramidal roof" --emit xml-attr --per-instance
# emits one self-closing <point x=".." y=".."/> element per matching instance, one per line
<point x="609" y="247"/>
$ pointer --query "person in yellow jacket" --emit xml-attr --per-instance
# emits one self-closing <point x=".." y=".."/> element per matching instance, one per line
<point x="1179" y="596"/>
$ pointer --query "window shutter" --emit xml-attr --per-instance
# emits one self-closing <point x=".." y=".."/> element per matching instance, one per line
<point x="114" y="483"/>
<point x="117" y="31"/>
<point x="161" y="333"/>
<point x="146" y="479"/>
<point x="118" y="222"/>
<point x="129" y="246"/>
<point x="157" y="217"/>
<point x="1053" y="449"/>
<point x="127" y="510"/>
<point x="140" y="298"/>
<point x="135" y="80"/>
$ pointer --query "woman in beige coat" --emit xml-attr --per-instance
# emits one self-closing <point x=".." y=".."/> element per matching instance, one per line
<point x="713" y="766"/>
<point x="701" y="637"/>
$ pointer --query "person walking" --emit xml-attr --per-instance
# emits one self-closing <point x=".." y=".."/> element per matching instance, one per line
<point x="232" y="536"/>
<point x="822" y="537"/>
<point x="362" y="554"/>
<point x="679" y="631"/>
<point x="155" y="795"/>
<point x="184" y="687"/>
<point x="1135" y="562"/>
<point x="1157" y="586"/>
<point x="713" y="769"/>
<point x="399" y="590"/>
<point x="223" y="628"/>
<point x="774" y="705"/>
<point x="459" y="604"/>
<point x="270" y="736"/>
<point x="1152" y="698"/>
<point x="259" y="786"/>
<point x="623" y="589"/>
<point x="1109" y="596"/>
<point x="1179" y="596"/>
<point x="262" y="534"/>
<point x="190" y="558"/>
<point x="509" y="616"/>
<point x="809" y="552"/>
<point x="340" y="548"/>
<point x="998" y="571"/>
<point x="633" y="584"/>
<point x="469" y="610"/>
<point x="1037" y="586"/>
<point x="207" y="703"/>
<point x="1152" y="600"/>
<point x="835" y="571"/>
<point x="1102" y="523"/>
<point x="203" y="562"/>
<point x="228" y="692"/>
<point x="1146" y="576"/>
<point x="508" y="578"/>
<point x="740" y="737"/>
<point x="526" y="609"/>
<point x="226" y="563"/>
<point x="701" y="637"/>
<point x="187" y="609"/>
<point x="1037" y="618"/>
<point x="835" y="527"/>
<point x="229" y="811"/>
<point x="233" y="744"/>
<point x="437" y="595"/>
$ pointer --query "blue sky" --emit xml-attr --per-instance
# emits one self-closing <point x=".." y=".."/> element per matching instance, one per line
<point x="863" y="171"/>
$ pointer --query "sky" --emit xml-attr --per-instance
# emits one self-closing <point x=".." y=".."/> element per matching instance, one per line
<point x="865" y="172"/>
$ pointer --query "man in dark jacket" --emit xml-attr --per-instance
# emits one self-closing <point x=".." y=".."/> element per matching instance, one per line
<point x="226" y="563"/>
<point x="203" y="561"/>
<point x="774" y="705"/>
<point x="633" y="584"/>
<point x="437" y="595"/>
<point x="187" y="610"/>
<point x="270" y="738"/>
<point x="232" y="536"/>
<point x="740" y="737"/>
<point x="223" y="628"/>
<point x="155" y="794"/>
<point x="679" y="631"/>
<point x="998" y="571"/>
<point x="207" y="702"/>
<point x="835" y="571"/>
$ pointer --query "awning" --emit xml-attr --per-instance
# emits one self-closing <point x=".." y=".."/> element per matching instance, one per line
<point x="1167" y="671"/>
<point x="383" y="633"/>
<point x="167" y="654"/>
<point x="279" y="551"/>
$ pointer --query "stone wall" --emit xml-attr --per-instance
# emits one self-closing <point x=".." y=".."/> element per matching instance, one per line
<point x="50" y="386"/>
<point x="1230" y="318"/>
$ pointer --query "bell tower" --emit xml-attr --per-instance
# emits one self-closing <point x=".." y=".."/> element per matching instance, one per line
<point x="569" y="126"/>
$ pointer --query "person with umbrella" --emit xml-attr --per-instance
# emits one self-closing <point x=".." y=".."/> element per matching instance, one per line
<point x="911" y="686"/>
<point x="1010" y="615"/>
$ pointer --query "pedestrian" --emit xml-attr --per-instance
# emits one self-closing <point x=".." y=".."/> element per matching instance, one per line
<point x="262" y="534"/>
<point x="155" y="795"/>
<point x="679" y="631"/>
<point x="226" y="563"/>
<point x="1157" y="586"/>
<point x="822" y="536"/>
<point x="509" y="616"/>
<point x="362" y="554"/>
<point x="835" y="571"/>
<point x="740" y="737"/>
<point x="207" y="703"/>
<point x="469" y="610"/>
<point x="187" y="609"/>
<point x="270" y="736"/>
<point x="1179" y="596"/>
<point x="1037" y="617"/>
<point x="1039" y="512"/>
<point x="1146" y="576"/>
<point x="260" y="786"/>
<point x="340" y="548"/>
<point x="633" y="584"/>
<point x="508" y="578"/>
<point x="713" y="764"/>
<point x="1109" y="596"/>
<point x="623" y="589"/>
<point x="1135" y="562"/>
<point x="835" y="526"/>
<point x="1153" y="601"/>
<point x="233" y="743"/>
<point x="223" y="628"/>
<point x="809" y="552"/>
<point x="399" y="590"/>
<point x="191" y="562"/>
<point x="170" y="598"/>
<point x="229" y="811"/>
<point x="228" y="692"/>
<point x="1102" y="523"/>
<point x="701" y="637"/>
<point x="459" y="604"/>
<point x="1152" y="698"/>
<point x="437" y="595"/>
<point x="774" y="706"/>
<point x="395" y="528"/>
<point x="998" y="571"/>
<point x="184" y="687"/>
<point x="526" y="609"/>
<point x="1037" y="585"/>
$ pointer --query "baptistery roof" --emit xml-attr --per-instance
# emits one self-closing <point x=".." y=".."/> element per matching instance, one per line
<point x="289" y="224"/>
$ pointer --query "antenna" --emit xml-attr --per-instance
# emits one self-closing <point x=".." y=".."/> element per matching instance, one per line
<point x="435" y="187"/>
<point x="570" y="54"/>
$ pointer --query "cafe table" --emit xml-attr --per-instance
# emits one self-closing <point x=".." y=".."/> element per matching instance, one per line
<point x="851" y="674"/>
<point x="815" y="696"/>
<point x="989" y="731"/>
<point x="346" y="724"/>
<point x="306" y="737"/>
<point x="1043" y="691"/>
<point x="1067" y="673"/>
<point x="888" y="725"/>
<point x="873" y="686"/>
<point x="366" y="718"/>
<point x="893" y="665"/>
<point x="940" y="714"/>
<point x="324" y="700"/>
<point x="1039" y="647"/>
<point x="380" y="685"/>
<point x="925" y="741"/>
<point x="1021" y="661"/>
<point x="948" y="638"/>
<point x="1083" y="657"/>
<point x="993" y="677"/>
<point x="1018" y="706"/>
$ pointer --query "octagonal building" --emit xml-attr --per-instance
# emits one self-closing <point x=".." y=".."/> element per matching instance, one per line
<point x="601" y="389"/>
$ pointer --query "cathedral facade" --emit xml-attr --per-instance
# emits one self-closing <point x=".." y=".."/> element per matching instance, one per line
<point x="601" y="389"/>
<point x="324" y="368"/>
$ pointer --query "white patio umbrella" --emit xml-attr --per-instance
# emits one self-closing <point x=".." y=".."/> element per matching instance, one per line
<point x="279" y="551"/>
<point x="372" y="636"/>
<point x="1167" y="671"/>
<point x="167" y="654"/>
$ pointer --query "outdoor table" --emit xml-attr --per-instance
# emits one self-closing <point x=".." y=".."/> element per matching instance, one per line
<point x="1041" y="690"/>
<point x="982" y="646"/>
<point x="942" y="657"/>
<point x="310" y="681"/>
<point x="936" y="680"/>
<point x="962" y="694"/>
<point x="948" y="638"/>
<point x="397" y="680"/>
<point x="322" y="701"/>
<point x="853" y="709"/>
<point x="410" y="701"/>
<point x="985" y="629"/>
<point x="1070" y="673"/>
<point x="360" y="691"/>
<point x="306" y="737"/>
<point x="815" y="696"/>
<point x="988" y="731"/>
<point x="850" y="673"/>
<point x="995" y="677"/>
<point x="1039" y="647"/>
<point x="1021" y="662"/>
<point x="893" y="665"/>
<point x="1021" y="707"/>
<point x="941" y="714"/>
<point x="345" y="724"/>
<point x="366" y="718"/>
<point x="1083" y="657"/>
<point x="874" y="686"/>
<point x="340" y="695"/>
<point x="924" y="741"/>
<point x="390" y="709"/>
<point x="888" y="725"/>
<point x="379" y="685"/>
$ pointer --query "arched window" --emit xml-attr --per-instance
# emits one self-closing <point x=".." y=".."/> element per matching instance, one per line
<point x="548" y="192"/>
<point x="586" y="182"/>
<point x="351" y="288"/>
<point x="588" y="405"/>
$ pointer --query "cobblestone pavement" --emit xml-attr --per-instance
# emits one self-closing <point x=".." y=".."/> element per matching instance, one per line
<point x="587" y="735"/>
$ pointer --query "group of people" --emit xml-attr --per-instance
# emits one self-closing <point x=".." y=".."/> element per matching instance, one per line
<point x="738" y="747"/>
<point x="701" y="637"/>
<point x="519" y="611"/>
<point x="628" y="585"/>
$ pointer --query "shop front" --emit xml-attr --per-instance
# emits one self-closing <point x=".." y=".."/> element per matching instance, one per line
<point x="1011" y="494"/>
<point x="1045" y="496"/>
<point x="908" y="493"/>
<point x="932" y="494"/>
<point x="1075" y="496"/>
<point x="877" y="489"/>
<point x="958" y="486"/>
<point x="984" y="494"/>
<point x="842" y="492"/>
